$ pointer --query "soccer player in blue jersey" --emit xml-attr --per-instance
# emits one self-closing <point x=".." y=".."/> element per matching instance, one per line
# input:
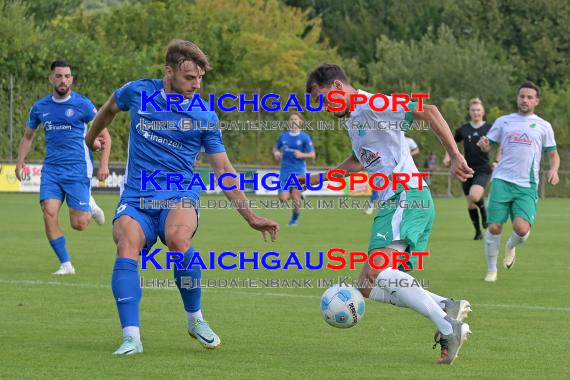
<point x="68" y="166"/>
<point x="293" y="147"/>
<point x="171" y="150"/>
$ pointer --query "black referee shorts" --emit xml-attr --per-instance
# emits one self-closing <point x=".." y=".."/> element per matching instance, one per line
<point x="479" y="178"/>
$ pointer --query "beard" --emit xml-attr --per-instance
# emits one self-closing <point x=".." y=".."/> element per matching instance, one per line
<point x="62" y="91"/>
<point x="178" y="90"/>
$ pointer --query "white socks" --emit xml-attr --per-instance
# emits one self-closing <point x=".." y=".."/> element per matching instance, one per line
<point x="133" y="331"/>
<point x="413" y="297"/>
<point x="193" y="317"/>
<point x="515" y="239"/>
<point x="492" y="250"/>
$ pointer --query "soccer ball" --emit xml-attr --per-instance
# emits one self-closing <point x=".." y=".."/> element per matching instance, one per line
<point x="342" y="307"/>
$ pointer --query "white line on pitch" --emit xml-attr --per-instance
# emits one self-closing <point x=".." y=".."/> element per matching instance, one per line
<point x="263" y="294"/>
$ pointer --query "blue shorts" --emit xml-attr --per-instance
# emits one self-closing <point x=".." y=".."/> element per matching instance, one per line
<point x="152" y="221"/>
<point x="76" y="191"/>
<point x="284" y="175"/>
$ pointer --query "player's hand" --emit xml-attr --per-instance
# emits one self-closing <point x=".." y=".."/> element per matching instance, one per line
<point x="484" y="144"/>
<point x="19" y="168"/>
<point x="460" y="169"/>
<point x="299" y="154"/>
<point x="553" y="177"/>
<point x="277" y="155"/>
<point x="103" y="172"/>
<point x="99" y="144"/>
<point x="266" y="226"/>
<point x="314" y="180"/>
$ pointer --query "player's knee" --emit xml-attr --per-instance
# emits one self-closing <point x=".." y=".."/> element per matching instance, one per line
<point x="521" y="230"/>
<point x="495" y="229"/>
<point x="177" y="242"/>
<point x="283" y="196"/>
<point x="49" y="214"/>
<point x="79" y="224"/>
<point x="127" y="248"/>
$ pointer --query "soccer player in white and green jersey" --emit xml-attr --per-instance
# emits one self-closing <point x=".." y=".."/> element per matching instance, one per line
<point x="397" y="229"/>
<point x="523" y="137"/>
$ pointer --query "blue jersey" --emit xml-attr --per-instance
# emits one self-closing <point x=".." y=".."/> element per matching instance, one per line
<point x="65" y="123"/>
<point x="289" y="143"/>
<point x="171" y="149"/>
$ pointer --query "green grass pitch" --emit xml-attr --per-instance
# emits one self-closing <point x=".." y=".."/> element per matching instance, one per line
<point x="67" y="327"/>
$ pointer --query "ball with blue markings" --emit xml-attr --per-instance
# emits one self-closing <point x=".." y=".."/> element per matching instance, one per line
<point x="342" y="307"/>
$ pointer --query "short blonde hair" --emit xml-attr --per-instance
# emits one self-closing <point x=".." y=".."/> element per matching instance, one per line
<point x="476" y="101"/>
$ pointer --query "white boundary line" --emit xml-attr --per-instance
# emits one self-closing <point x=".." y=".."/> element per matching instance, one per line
<point x="263" y="294"/>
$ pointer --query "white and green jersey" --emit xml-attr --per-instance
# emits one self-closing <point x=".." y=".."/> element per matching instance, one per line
<point x="382" y="150"/>
<point x="522" y="139"/>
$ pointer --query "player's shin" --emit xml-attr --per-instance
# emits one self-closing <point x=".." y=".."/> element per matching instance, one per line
<point x="492" y="250"/>
<point x="127" y="292"/>
<point x="516" y="239"/>
<point x="60" y="248"/>
<point x="395" y="287"/>
<point x="188" y="283"/>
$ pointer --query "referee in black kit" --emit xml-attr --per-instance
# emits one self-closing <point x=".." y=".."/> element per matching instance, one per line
<point x="474" y="188"/>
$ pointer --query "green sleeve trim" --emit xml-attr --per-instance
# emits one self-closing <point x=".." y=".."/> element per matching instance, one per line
<point x="549" y="148"/>
<point x="409" y="116"/>
<point x="492" y="141"/>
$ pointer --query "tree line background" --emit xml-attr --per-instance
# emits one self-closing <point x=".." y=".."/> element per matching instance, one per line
<point x="455" y="50"/>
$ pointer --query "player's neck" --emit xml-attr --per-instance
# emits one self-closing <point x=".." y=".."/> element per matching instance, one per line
<point x="295" y="132"/>
<point x="477" y="124"/>
<point x="60" y="98"/>
<point x="525" y="114"/>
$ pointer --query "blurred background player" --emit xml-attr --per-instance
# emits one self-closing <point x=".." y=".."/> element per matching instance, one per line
<point x="293" y="148"/>
<point x="414" y="151"/>
<point x="170" y="151"/>
<point x="523" y="137"/>
<point x="397" y="229"/>
<point x="68" y="165"/>
<point x="474" y="188"/>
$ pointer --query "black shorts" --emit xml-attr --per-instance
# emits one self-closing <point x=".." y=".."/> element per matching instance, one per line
<point x="479" y="178"/>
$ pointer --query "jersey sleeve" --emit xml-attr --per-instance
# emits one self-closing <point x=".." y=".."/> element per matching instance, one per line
<point x="458" y="135"/>
<point x="548" y="141"/>
<point x="34" y="118"/>
<point x="412" y="143"/>
<point x="308" y="146"/>
<point x="494" y="134"/>
<point x="408" y="116"/>
<point x="90" y="111"/>
<point x="124" y="95"/>
<point x="212" y="138"/>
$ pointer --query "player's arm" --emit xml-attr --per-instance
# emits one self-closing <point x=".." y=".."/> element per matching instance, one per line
<point x="221" y="164"/>
<point x="349" y="165"/>
<point x="415" y="152"/>
<point x="431" y="114"/>
<point x="308" y="151"/>
<point x="458" y="137"/>
<point x="554" y="159"/>
<point x="105" y="141"/>
<point x="103" y="119"/>
<point x="23" y="150"/>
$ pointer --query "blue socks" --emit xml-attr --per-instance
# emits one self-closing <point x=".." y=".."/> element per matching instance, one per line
<point x="127" y="291"/>
<point x="295" y="216"/>
<point x="191" y="296"/>
<point x="374" y="196"/>
<point x="60" y="249"/>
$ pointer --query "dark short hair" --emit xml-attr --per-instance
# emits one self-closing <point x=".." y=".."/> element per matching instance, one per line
<point x="180" y="51"/>
<point x="60" y="63"/>
<point x="532" y="85"/>
<point x="324" y="75"/>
